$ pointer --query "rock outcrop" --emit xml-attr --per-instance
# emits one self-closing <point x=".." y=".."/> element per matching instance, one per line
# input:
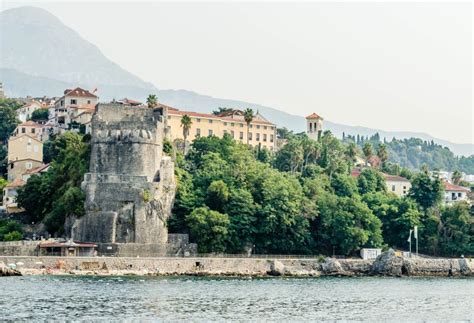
<point x="388" y="264"/>
<point x="7" y="271"/>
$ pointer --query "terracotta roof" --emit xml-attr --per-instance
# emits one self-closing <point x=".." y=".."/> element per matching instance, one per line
<point x="16" y="183"/>
<point x="452" y="187"/>
<point x="36" y="170"/>
<point x="211" y="116"/>
<point x="80" y="93"/>
<point x="313" y="116"/>
<point x="355" y="172"/>
<point x="395" y="178"/>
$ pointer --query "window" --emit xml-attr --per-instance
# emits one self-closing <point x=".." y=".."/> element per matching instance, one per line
<point x="198" y="120"/>
<point x="35" y="148"/>
<point x="310" y="127"/>
<point x="404" y="187"/>
<point x="250" y="136"/>
<point x="393" y="188"/>
<point x="23" y="130"/>
<point x="198" y="132"/>
<point x="264" y="137"/>
<point x="225" y="131"/>
<point x="88" y="101"/>
<point x="73" y="101"/>
<point x="210" y="121"/>
<point x="169" y="117"/>
<point x="210" y="132"/>
<point x="241" y="135"/>
<point x="33" y="130"/>
<point x="258" y="136"/>
<point x="258" y="126"/>
<point x="251" y="126"/>
<point x="225" y="123"/>
<point x="232" y="133"/>
<point x="232" y="124"/>
<point x="241" y="125"/>
<point x="271" y="138"/>
<point x="265" y="127"/>
<point x="459" y="194"/>
<point x="28" y="165"/>
<point x="62" y="102"/>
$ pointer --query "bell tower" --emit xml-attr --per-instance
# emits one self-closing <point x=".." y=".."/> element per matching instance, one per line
<point x="314" y="126"/>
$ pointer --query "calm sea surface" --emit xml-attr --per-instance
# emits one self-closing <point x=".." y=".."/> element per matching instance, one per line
<point x="112" y="299"/>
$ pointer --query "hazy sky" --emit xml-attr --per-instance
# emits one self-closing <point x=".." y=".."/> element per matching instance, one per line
<point x="393" y="66"/>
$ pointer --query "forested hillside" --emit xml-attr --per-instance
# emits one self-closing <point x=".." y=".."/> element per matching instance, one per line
<point x="413" y="153"/>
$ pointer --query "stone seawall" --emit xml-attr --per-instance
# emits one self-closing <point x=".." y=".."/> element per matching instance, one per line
<point x="238" y="266"/>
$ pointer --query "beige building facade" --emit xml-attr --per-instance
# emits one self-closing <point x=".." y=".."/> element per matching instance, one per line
<point x="261" y="131"/>
<point x="398" y="185"/>
<point x="24" y="152"/>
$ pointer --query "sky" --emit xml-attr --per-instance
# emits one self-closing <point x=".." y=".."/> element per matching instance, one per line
<point x="394" y="66"/>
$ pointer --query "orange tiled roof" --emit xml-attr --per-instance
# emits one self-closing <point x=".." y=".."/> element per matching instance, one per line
<point x="313" y="116"/>
<point x="451" y="187"/>
<point x="16" y="183"/>
<point x="395" y="178"/>
<point x="36" y="170"/>
<point x="80" y="92"/>
<point x="211" y="116"/>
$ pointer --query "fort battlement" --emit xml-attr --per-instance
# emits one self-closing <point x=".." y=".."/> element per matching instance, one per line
<point x="130" y="187"/>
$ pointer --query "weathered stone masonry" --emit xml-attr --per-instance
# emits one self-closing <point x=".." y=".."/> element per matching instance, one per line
<point x="130" y="187"/>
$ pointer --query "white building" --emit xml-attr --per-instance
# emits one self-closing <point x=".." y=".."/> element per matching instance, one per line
<point x="454" y="193"/>
<point x="70" y="106"/>
<point x="24" y="113"/>
<point x="314" y="126"/>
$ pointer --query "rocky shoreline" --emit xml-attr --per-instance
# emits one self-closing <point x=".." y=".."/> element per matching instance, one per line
<point x="387" y="264"/>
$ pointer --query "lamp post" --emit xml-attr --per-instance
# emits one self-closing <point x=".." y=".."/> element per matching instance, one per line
<point x="409" y="240"/>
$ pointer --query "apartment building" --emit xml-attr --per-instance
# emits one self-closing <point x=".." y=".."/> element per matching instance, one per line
<point x="261" y="132"/>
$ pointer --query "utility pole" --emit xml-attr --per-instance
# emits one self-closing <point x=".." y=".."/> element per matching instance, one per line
<point x="409" y="240"/>
<point x="415" y="234"/>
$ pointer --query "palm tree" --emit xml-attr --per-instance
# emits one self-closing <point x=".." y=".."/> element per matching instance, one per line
<point x="456" y="177"/>
<point x="382" y="153"/>
<point x="152" y="101"/>
<point x="186" y="123"/>
<point x="367" y="150"/>
<point x="248" y="117"/>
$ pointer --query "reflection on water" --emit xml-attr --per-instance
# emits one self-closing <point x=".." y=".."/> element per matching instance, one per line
<point x="190" y="298"/>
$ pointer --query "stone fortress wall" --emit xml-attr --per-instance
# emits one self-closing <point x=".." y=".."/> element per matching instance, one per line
<point x="131" y="186"/>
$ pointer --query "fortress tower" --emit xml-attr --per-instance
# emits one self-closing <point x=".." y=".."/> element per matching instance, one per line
<point x="314" y="126"/>
<point x="130" y="188"/>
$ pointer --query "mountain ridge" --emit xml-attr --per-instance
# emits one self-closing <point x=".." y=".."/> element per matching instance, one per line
<point x="63" y="59"/>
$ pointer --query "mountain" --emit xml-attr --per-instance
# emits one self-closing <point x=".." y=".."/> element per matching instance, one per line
<point x="42" y="56"/>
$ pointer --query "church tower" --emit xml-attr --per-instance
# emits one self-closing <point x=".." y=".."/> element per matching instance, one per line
<point x="314" y="126"/>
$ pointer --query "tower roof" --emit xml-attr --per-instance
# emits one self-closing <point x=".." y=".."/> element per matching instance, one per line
<point x="314" y="116"/>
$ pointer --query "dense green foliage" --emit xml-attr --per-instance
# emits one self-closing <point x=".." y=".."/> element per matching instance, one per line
<point x="302" y="199"/>
<point x="52" y="197"/>
<point x="414" y="152"/>
<point x="40" y="114"/>
<point x="10" y="230"/>
<point x="8" y="119"/>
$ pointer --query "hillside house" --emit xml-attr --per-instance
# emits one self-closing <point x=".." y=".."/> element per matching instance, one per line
<point x="10" y="193"/>
<point x="24" y="152"/>
<point x="70" y="106"/>
<point x="455" y="193"/>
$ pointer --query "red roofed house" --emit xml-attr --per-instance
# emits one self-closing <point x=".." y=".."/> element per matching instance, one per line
<point x="71" y="105"/>
<point x="314" y="126"/>
<point x="454" y="193"/>
<point x="25" y="112"/>
<point x="261" y="131"/>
